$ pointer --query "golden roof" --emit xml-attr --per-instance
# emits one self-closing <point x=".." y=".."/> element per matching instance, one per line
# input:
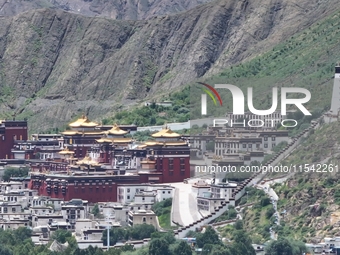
<point x="116" y="130"/>
<point x="68" y="132"/>
<point x="66" y="151"/>
<point x="115" y="140"/>
<point x="166" y="132"/>
<point x="87" y="161"/>
<point x="175" y="143"/>
<point x="71" y="132"/>
<point x="83" y="122"/>
<point x="171" y="143"/>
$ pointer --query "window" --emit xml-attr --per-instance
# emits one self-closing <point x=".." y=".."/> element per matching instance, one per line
<point x="266" y="138"/>
<point x="182" y="161"/>
<point x="250" y="145"/>
<point x="144" y="219"/>
<point x="169" y="192"/>
<point x="273" y="145"/>
<point x="265" y="145"/>
<point x="273" y="138"/>
<point x="244" y="145"/>
<point x="13" y="209"/>
<point x="171" y="164"/>
<point x="143" y="198"/>
<point x="128" y="197"/>
<point x="163" y="192"/>
<point x="128" y="191"/>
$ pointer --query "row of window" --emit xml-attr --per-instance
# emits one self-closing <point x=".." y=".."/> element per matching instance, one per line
<point x="266" y="138"/>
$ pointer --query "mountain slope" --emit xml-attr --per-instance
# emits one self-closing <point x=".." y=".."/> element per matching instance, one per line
<point x="311" y="197"/>
<point x="115" y="9"/>
<point x="55" y="65"/>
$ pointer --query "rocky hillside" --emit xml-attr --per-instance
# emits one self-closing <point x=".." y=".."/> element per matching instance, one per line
<point x="311" y="197"/>
<point x="55" y="65"/>
<point x="115" y="9"/>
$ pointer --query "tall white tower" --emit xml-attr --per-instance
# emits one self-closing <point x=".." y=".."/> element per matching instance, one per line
<point x="335" y="107"/>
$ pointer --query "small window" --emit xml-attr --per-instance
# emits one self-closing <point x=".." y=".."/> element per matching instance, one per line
<point x="128" y="190"/>
<point x="128" y="197"/>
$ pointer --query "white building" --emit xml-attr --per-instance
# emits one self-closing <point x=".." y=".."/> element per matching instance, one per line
<point x="143" y="217"/>
<point x="74" y="210"/>
<point x="335" y="106"/>
<point x="217" y="194"/>
<point x="128" y="193"/>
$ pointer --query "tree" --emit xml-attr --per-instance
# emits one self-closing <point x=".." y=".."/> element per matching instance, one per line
<point x="220" y="250"/>
<point x="15" y="172"/>
<point x="61" y="235"/>
<point x="242" y="242"/>
<point x="279" y="247"/>
<point x="158" y="247"/>
<point x="142" y="231"/>
<point x="22" y="233"/>
<point x="209" y="237"/>
<point x="169" y="237"/>
<point x="265" y="201"/>
<point x="95" y="210"/>
<point x="183" y="249"/>
<point x="238" y="225"/>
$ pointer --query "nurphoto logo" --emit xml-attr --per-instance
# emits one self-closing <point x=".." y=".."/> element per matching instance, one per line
<point x="238" y="103"/>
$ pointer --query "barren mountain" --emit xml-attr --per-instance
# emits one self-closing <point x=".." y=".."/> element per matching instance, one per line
<point x="115" y="9"/>
<point x="55" y="64"/>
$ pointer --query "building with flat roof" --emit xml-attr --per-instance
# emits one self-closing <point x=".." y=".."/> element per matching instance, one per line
<point x="11" y="131"/>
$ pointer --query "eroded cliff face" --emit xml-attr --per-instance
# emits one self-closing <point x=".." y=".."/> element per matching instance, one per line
<point x="115" y="9"/>
<point x="54" y="64"/>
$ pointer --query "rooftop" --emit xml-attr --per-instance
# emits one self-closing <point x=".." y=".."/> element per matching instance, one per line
<point x="83" y="122"/>
<point x="167" y="133"/>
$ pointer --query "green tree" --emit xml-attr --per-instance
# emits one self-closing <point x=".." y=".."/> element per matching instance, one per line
<point x="220" y="250"/>
<point x="159" y="247"/>
<point x="142" y="231"/>
<point x="265" y="201"/>
<point x="279" y="247"/>
<point x="183" y="249"/>
<point x="238" y="225"/>
<point x="61" y="235"/>
<point x="242" y="242"/>
<point x="209" y="237"/>
<point x="95" y="210"/>
<point x="15" y="172"/>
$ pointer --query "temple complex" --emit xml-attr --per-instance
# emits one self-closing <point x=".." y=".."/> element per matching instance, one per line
<point x="93" y="162"/>
<point x="81" y="136"/>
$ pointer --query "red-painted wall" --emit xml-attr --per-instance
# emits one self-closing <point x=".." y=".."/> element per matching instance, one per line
<point x="12" y="129"/>
<point x="104" y="193"/>
<point x="176" y="173"/>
